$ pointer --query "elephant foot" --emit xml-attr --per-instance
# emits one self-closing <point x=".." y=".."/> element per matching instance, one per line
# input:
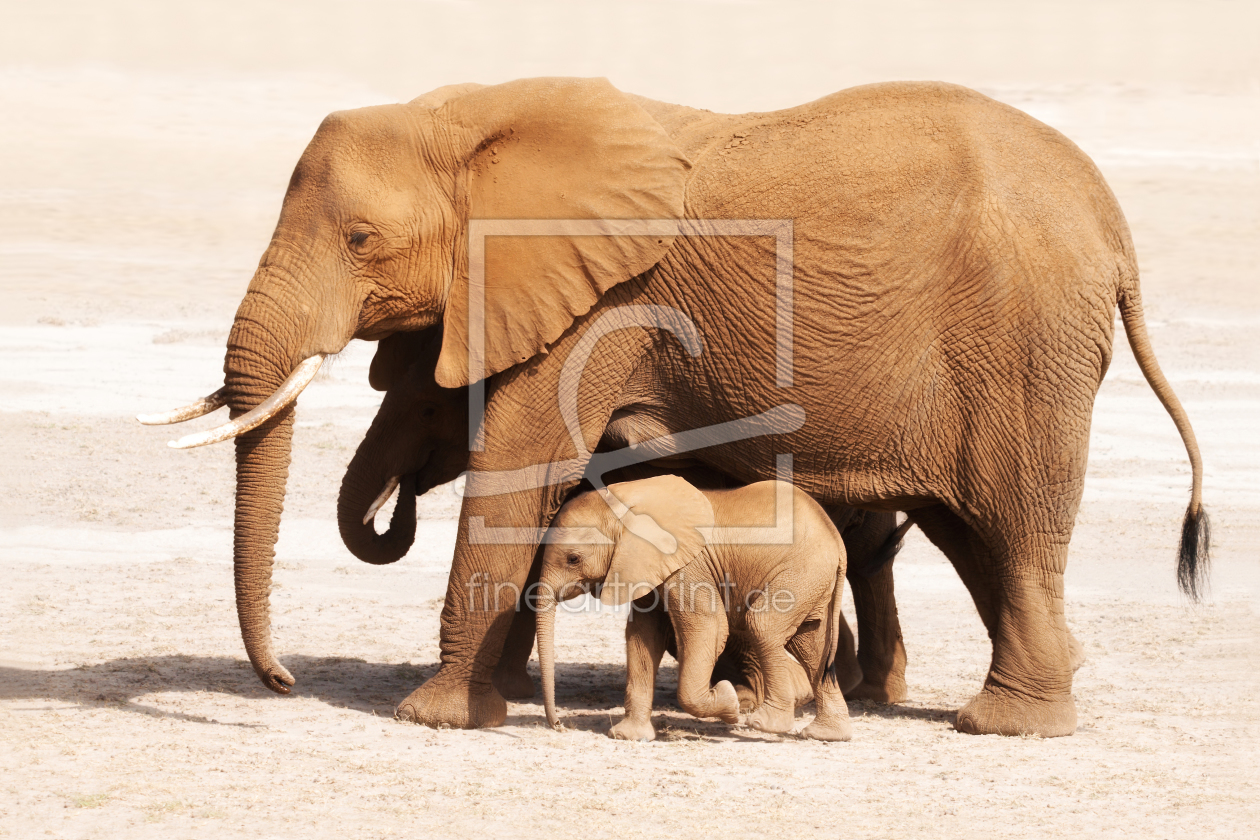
<point x="747" y="698"/>
<point x="884" y="691"/>
<point x="1076" y="652"/>
<point x="452" y="703"/>
<point x="633" y="730"/>
<point x="999" y="711"/>
<point x="513" y="683"/>
<point x="767" y="719"/>
<point x="833" y="729"/>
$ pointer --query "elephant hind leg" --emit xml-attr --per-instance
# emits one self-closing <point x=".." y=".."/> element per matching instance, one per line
<point x="881" y="654"/>
<point x="831" y="723"/>
<point x="1018" y="591"/>
<point x="777" y="711"/>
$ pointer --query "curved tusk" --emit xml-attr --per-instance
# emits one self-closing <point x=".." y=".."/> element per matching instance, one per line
<point x="261" y="413"/>
<point x="390" y="487"/>
<point x="203" y="406"/>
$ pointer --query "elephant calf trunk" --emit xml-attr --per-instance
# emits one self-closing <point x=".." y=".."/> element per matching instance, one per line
<point x="547" y="656"/>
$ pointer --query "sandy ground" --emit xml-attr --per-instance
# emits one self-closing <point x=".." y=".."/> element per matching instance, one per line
<point x="143" y="152"/>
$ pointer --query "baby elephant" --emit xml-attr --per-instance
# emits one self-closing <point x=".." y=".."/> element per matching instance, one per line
<point x="771" y="572"/>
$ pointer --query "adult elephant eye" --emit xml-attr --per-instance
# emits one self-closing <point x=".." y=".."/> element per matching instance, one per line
<point x="358" y="239"/>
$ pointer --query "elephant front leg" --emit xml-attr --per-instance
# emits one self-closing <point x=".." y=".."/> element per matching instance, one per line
<point x="487" y="577"/>
<point x="701" y="637"/>
<point x="511" y="676"/>
<point x="646" y="634"/>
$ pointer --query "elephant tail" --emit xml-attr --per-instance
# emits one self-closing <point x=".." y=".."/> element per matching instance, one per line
<point x="834" y="617"/>
<point x="1193" y="555"/>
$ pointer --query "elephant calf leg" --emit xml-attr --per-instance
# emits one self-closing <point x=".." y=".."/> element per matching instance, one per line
<point x="777" y="712"/>
<point x="699" y="642"/>
<point x="831" y="723"/>
<point x="646" y="637"/>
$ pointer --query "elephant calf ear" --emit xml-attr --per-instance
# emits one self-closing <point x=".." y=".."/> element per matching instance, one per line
<point x="662" y="523"/>
<point x="550" y="150"/>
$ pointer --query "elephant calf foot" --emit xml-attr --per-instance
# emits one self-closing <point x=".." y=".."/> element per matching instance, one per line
<point x="766" y="718"/>
<point x="633" y="730"/>
<point x="513" y="683"/>
<point x="832" y="729"/>
<point x="454" y="704"/>
<point x="719" y="702"/>
<point x="999" y="711"/>
<point x="747" y="698"/>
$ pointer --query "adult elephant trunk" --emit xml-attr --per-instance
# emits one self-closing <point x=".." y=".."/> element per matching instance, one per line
<point x="253" y="371"/>
<point x="362" y="490"/>
<point x="547" y="653"/>
<point x="271" y="342"/>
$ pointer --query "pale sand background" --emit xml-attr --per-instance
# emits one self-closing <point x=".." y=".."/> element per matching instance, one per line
<point x="144" y="148"/>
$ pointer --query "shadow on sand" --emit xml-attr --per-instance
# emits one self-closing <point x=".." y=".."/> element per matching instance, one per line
<point x="588" y="694"/>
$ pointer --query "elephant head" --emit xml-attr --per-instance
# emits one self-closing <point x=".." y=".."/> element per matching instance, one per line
<point x="417" y="441"/>
<point x="374" y="238"/>
<point x="620" y="543"/>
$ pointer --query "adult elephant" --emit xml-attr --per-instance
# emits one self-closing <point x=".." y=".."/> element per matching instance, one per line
<point x="942" y="319"/>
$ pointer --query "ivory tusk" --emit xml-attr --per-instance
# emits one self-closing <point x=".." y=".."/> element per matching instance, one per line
<point x="390" y="487"/>
<point x="203" y="406"/>
<point x="261" y="413"/>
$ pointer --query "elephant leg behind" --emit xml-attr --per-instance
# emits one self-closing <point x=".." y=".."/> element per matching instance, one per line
<point x="880" y="661"/>
<point x="511" y="676"/>
<point x="738" y="666"/>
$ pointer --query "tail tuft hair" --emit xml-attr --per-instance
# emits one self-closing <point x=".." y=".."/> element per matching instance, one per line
<point x="1194" y="555"/>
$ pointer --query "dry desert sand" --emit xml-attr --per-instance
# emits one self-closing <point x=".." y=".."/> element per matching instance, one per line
<point x="144" y="148"/>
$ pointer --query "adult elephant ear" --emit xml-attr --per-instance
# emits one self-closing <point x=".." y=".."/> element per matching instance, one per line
<point x="662" y="517"/>
<point x="536" y="154"/>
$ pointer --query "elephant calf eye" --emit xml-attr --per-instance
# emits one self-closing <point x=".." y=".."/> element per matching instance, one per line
<point x="358" y="238"/>
<point x="574" y="559"/>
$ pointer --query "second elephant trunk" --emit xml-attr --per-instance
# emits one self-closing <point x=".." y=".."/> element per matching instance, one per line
<point x="358" y="491"/>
